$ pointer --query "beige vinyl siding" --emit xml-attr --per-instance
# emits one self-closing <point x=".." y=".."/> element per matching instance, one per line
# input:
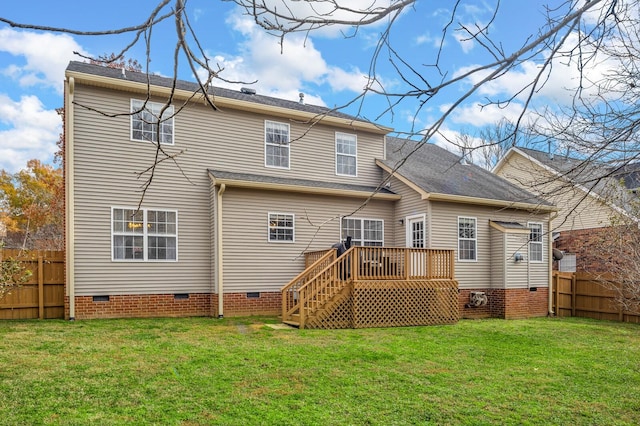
<point x="498" y="262"/>
<point x="443" y="228"/>
<point x="235" y="141"/>
<point x="252" y="263"/>
<point x="105" y="164"/>
<point x="519" y="274"/>
<point x="411" y="204"/>
<point x="577" y="210"/>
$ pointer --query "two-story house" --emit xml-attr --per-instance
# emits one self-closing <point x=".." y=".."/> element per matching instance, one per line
<point x="257" y="183"/>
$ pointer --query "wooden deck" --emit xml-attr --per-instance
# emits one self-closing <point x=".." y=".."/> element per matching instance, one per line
<point x="373" y="287"/>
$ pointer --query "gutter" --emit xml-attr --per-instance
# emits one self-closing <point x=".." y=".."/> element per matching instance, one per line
<point x="219" y="256"/>
<point x="69" y="198"/>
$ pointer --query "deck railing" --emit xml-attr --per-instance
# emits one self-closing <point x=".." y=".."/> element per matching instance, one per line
<point x="390" y="263"/>
<point x="312" y="289"/>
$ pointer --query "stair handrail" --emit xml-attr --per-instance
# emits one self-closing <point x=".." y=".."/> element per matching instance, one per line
<point x="334" y="277"/>
<point x="290" y="303"/>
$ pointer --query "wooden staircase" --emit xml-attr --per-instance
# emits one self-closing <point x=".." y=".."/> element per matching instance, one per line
<point x="329" y="292"/>
<point x="312" y="292"/>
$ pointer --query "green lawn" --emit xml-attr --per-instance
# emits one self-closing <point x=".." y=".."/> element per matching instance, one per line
<point x="241" y="372"/>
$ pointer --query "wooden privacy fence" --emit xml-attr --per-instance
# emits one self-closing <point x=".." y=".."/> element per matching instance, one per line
<point x="579" y="294"/>
<point x="42" y="296"/>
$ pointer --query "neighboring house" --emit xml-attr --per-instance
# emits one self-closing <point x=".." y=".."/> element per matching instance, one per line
<point x="258" y="183"/>
<point x="588" y="194"/>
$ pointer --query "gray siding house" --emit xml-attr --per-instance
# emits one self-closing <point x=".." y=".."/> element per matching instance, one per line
<point x="255" y="185"/>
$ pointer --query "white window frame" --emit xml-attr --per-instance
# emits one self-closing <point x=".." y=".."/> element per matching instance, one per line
<point x="152" y="108"/>
<point x="474" y="239"/>
<point x="145" y="234"/>
<point x="345" y="137"/>
<point x="267" y="144"/>
<point x="532" y="243"/>
<point x="362" y="241"/>
<point x="408" y="232"/>
<point x="270" y="227"/>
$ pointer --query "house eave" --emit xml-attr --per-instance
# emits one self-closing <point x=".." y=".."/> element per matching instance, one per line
<point x="302" y="189"/>
<point x="489" y="202"/>
<point x="508" y="230"/>
<point x="222" y="102"/>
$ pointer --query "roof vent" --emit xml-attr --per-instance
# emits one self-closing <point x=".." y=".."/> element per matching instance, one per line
<point x="248" y="91"/>
<point x="301" y="98"/>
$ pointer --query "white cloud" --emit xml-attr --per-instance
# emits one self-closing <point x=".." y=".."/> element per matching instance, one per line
<point x="31" y="132"/>
<point x="46" y="56"/>
<point x="283" y="72"/>
<point x="352" y="11"/>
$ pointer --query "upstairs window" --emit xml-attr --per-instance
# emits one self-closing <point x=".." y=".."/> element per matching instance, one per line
<point x="467" y="239"/>
<point x="276" y="140"/>
<point x="281" y="227"/>
<point x="144" y="234"/>
<point x="146" y="122"/>
<point x="346" y="154"/>
<point x="535" y="242"/>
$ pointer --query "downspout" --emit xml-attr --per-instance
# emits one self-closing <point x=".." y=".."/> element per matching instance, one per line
<point x="219" y="255"/>
<point x="550" y="263"/>
<point x="70" y="200"/>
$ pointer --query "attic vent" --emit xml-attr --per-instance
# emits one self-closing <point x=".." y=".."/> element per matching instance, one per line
<point x="248" y="91"/>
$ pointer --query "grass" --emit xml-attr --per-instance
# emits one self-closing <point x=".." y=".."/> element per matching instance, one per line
<point x="241" y="372"/>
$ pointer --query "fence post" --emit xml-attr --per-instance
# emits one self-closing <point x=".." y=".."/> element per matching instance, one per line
<point x="40" y="286"/>
<point x="574" y="284"/>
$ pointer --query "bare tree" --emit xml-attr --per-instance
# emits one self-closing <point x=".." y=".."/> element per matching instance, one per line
<point x="618" y="269"/>
<point x="584" y="34"/>
<point x="486" y="146"/>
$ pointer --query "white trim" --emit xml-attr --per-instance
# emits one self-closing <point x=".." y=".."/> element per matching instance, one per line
<point x="272" y="144"/>
<point x="541" y="242"/>
<point x="145" y="235"/>
<point x="169" y="111"/>
<point x="355" y="156"/>
<point x="475" y="239"/>
<point x="293" y="228"/>
<point x="408" y="232"/>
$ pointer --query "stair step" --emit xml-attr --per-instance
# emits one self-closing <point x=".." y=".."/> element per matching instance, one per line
<point x="292" y="323"/>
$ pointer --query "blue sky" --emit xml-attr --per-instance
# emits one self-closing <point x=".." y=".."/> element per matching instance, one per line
<point x="329" y="68"/>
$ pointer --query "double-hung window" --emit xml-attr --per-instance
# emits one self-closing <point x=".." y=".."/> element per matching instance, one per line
<point x="363" y="232"/>
<point x="277" y="147"/>
<point x="535" y="242"/>
<point x="151" y="122"/>
<point x="144" y="234"/>
<point x="346" y="154"/>
<point x="281" y="227"/>
<point x="467" y="239"/>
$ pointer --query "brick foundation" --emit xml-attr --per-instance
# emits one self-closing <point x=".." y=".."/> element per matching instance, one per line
<point x="168" y="305"/>
<point x="240" y="304"/>
<point x="506" y="303"/>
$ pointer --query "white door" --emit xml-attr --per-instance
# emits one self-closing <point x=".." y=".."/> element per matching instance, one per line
<point x="416" y="239"/>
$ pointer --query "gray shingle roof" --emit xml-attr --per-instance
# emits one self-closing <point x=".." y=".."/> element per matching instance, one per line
<point x="157" y="80"/>
<point x="438" y="171"/>
<point x="248" y="177"/>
